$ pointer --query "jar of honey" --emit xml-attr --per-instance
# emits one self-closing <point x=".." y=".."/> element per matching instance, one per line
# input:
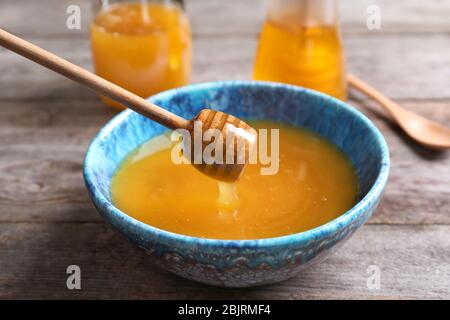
<point x="300" y="44"/>
<point x="143" y="46"/>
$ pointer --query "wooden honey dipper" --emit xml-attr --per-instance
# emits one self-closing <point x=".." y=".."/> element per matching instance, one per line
<point x="210" y="119"/>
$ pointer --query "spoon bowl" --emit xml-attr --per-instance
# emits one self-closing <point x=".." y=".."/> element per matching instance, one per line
<point x="425" y="132"/>
<point x="428" y="133"/>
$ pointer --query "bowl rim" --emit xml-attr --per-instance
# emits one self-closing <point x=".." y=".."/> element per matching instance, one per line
<point x="332" y="226"/>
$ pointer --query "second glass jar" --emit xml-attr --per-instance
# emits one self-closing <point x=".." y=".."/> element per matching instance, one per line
<point x="144" y="46"/>
<point x="300" y="44"/>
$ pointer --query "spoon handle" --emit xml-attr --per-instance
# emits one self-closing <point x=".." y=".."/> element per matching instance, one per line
<point x="376" y="95"/>
<point x="88" y="79"/>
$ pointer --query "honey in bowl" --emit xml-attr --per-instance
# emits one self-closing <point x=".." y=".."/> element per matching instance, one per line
<point x="142" y="47"/>
<point x="315" y="183"/>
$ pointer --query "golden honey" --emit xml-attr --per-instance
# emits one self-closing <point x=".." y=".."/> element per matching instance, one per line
<point x="308" y="56"/>
<point x="315" y="183"/>
<point x="144" y="48"/>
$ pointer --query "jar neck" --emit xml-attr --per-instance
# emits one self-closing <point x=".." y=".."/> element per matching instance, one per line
<point x="304" y="12"/>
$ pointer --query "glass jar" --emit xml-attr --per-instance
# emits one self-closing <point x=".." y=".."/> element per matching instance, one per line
<point x="300" y="44"/>
<point x="143" y="46"/>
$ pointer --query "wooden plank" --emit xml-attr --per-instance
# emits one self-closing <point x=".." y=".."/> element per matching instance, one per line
<point x="413" y="262"/>
<point x="398" y="67"/>
<point x="238" y="17"/>
<point x="216" y="17"/>
<point x="418" y="190"/>
<point x="397" y="16"/>
<point x="23" y="79"/>
<point x="42" y="147"/>
<point x="44" y="17"/>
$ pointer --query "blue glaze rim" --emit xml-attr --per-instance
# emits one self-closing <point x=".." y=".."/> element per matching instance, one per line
<point x="330" y="227"/>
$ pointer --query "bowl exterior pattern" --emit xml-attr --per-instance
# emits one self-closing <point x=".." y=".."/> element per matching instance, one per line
<point x="243" y="266"/>
<point x="250" y="262"/>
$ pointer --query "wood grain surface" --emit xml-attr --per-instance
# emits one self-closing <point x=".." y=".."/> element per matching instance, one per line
<point x="46" y="122"/>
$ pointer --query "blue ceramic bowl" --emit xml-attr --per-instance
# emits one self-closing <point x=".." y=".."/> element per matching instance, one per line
<point x="242" y="263"/>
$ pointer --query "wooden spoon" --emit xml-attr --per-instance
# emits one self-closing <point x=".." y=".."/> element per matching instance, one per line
<point x="423" y="131"/>
<point x="228" y="125"/>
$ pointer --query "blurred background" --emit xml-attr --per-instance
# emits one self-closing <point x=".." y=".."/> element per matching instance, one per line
<point x="412" y="41"/>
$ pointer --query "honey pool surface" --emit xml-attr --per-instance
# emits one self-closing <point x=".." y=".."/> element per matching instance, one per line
<point x="315" y="184"/>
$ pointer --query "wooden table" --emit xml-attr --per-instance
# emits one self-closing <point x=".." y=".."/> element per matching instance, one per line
<point x="47" y="221"/>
